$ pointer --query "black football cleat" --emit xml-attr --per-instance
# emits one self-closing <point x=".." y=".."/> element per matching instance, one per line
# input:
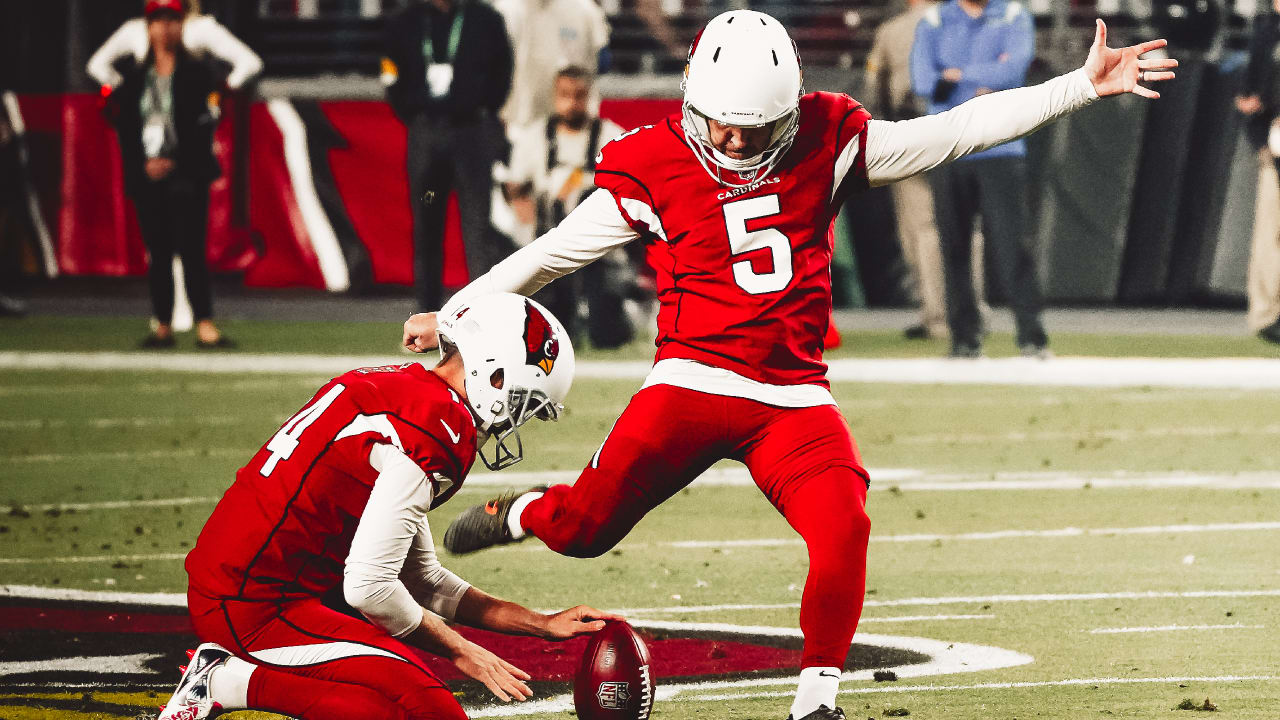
<point x="483" y="526"/>
<point x="822" y="713"/>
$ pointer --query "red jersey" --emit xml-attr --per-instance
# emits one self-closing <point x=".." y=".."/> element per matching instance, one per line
<point x="743" y="274"/>
<point x="284" y="528"/>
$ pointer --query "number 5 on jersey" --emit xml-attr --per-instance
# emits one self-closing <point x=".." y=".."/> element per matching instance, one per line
<point x="741" y="240"/>
<point x="285" y="441"/>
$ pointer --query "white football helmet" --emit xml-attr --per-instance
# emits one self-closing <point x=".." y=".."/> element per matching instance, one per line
<point x="743" y="70"/>
<point x="518" y="362"/>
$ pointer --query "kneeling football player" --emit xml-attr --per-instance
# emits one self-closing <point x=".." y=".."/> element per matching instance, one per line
<point x="333" y="508"/>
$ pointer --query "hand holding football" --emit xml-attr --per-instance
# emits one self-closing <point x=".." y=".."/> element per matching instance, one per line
<point x="614" y="680"/>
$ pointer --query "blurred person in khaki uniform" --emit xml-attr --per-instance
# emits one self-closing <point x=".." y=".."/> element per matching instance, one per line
<point x="888" y="89"/>
<point x="1260" y="103"/>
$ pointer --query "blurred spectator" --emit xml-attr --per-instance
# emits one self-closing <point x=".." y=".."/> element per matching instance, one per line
<point x="164" y="105"/>
<point x="547" y="35"/>
<point x="13" y="213"/>
<point x="1260" y="102"/>
<point x="552" y="168"/>
<point x="965" y="48"/>
<point x="448" y="71"/>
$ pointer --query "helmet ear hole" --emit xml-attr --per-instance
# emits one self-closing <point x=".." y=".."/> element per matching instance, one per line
<point x="498" y="378"/>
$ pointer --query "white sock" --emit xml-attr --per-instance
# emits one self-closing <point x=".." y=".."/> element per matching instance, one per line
<point x="517" y="507"/>
<point x="229" y="684"/>
<point x="818" y="686"/>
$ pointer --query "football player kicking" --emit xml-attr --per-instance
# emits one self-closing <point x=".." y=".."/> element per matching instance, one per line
<point x="334" y="508"/>
<point x="734" y="198"/>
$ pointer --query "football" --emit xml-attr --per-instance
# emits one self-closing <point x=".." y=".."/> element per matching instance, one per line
<point x="614" y="680"/>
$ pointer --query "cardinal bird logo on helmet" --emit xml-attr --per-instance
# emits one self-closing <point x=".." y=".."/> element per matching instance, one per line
<point x="540" y="345"/>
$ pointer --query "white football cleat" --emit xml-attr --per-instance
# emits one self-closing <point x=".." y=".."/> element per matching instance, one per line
<point x="191" y="701"/>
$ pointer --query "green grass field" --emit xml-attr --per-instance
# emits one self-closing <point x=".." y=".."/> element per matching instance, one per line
<point x="1021" y="518"/>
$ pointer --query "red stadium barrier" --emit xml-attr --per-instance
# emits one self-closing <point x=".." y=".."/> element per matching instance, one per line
<point x="76" y="162"/>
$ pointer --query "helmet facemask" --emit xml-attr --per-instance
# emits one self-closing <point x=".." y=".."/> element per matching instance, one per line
<point x="517" y="364"/>
<point x="697" y="130"/>
<point x="522" y="405"/>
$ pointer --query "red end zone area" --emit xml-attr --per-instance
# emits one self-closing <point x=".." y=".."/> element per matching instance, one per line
<point x="47" y="646"/>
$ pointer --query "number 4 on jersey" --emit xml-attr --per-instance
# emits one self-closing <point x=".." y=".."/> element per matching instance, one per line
<point x="285" y="441"/>
<point x="736" y="216"/>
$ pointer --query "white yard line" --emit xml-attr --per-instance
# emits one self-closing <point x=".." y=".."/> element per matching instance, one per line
<point x="761" y="542"/>
<point x="122" y="422"/>
<point x="1237" y="373"/>
<point x="112" y="504"/>
<point x="962" y="600"/>
<point x="1117" y="434"/>
<point x="883" y="689"/>
<point x="128" y="455"/>
<point x="993" y="535"/>
<point x="1171" y="628"/>
<point x="77" y="559"/>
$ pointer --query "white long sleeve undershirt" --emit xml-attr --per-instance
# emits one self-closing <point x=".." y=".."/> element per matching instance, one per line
<point x="894" y="150"/>
<point x="391" y="570"/>
<point x="200" y="34"/>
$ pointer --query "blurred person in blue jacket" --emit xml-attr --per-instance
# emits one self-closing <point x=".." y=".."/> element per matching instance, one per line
<point x="966" y="48"/>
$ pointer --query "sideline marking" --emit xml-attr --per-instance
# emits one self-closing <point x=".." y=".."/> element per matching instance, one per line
<point x="1238" y="373"/>
<point x="1172" y="628"/>
<point x="782" y="542"/>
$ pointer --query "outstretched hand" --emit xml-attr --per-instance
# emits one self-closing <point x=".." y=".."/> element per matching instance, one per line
<point x="1116" y="71"/>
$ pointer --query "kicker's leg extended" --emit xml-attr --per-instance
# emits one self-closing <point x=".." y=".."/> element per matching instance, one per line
<point x="665" y="438"/>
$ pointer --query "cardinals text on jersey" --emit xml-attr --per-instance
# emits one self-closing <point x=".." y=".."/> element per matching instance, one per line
<point x="744" y="274"/>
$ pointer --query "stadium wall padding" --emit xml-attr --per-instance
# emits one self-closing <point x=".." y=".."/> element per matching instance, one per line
<point x="1084" y="213"/>
<point x="1162" y="177"/>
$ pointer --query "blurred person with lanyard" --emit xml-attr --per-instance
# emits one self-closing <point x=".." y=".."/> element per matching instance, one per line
<point x="546" y="36"/>
<point x="553" y="162"/>
<point x="966" y="48"/>
<point x="164" y="104"/>
<point x="1260" y="103"/>
<point x="447" y="71"/>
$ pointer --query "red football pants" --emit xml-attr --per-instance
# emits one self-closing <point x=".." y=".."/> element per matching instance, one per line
<point x="803" y="459"/>
<point x="319" y="664"/>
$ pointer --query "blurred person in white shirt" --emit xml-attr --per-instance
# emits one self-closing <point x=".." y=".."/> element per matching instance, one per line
<point x="552" y="169"/>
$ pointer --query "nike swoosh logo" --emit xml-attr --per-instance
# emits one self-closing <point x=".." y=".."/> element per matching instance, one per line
<point x="455" y="436"/>
<point x="830" y="675"/>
